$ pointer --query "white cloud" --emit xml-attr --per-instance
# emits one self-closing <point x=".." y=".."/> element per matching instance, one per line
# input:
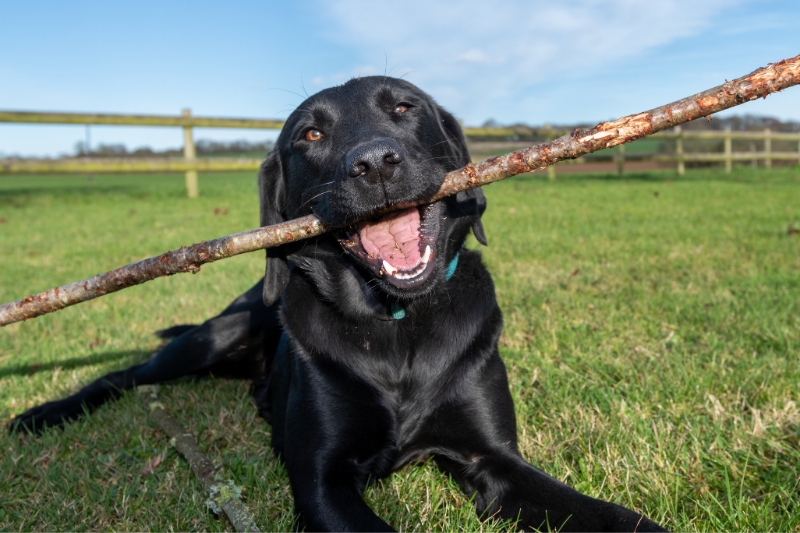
<point x="473" y="56"/>
<point x="473" y="53"/>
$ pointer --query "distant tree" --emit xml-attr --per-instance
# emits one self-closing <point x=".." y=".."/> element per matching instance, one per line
<point x="209" y="147"/>
<point x="110" y="150"/>
<point x="203" y="147"/>
<point x="80" y="149"/>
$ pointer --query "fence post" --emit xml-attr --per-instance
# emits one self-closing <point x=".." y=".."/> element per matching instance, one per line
<point x="620" y="159"/>
<point x="728" y="151"/>
<point x="798" y="151"/>
<point x="192" y="187"/>
<point x="679" y="151"/>
<point x="768" y="148"/>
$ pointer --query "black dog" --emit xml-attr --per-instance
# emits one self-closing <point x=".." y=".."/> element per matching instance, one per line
<point x="377" y="345"/>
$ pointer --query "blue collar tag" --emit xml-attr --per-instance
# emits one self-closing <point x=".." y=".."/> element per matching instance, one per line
<point x="397" y="310"/>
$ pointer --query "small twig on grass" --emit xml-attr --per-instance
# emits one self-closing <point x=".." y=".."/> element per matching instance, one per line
<point x="222" y="496"/>
<point x="758" y="84"/>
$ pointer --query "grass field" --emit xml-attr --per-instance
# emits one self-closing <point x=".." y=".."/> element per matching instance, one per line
<point x="652" y="335"/>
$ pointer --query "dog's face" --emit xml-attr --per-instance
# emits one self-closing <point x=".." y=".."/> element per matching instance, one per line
<point x="352" y="150"/>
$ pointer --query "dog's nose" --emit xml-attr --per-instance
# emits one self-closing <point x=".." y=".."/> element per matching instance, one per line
<point x="374" y="160"/>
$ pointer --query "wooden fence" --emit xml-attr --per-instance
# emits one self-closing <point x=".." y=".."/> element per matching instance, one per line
<point x="190" y="164"/>
<point x="725" y="156"/>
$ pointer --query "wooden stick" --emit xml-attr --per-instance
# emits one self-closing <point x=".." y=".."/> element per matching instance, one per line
<point x="222" y="496"/>
<point x="758" y="84"/>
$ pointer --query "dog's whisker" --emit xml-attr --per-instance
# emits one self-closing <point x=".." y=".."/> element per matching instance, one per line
<point x="294" y="109"/>
<point x="319" y="185"/>
<point x="286" y="91"/>
<point x="303" y="85"/>
<point x="307" y="201"/>
<point x="438" y="157"/>
<point x="446" y="141"/>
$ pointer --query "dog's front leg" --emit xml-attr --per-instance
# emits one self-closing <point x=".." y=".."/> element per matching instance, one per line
<point x="479" y="449"/>
<point x="336" y="438"/>
<point x="506" y="486"/>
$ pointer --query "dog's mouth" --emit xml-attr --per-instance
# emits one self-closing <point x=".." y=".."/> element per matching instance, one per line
<point x="399" y="247"/>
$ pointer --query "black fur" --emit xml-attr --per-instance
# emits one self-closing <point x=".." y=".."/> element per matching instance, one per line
<point x="353" y="394"/>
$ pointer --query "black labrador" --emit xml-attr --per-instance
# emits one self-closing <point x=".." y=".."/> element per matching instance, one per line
<point x="375" y="345"/>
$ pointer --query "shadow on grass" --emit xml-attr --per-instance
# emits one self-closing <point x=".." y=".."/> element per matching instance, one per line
<point x="66" y="364"/>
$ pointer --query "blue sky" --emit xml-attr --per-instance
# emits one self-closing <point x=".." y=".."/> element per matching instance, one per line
<point x="514" y="61"/>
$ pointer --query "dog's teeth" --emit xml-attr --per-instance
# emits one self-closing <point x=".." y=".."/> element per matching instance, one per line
<point x="427" y="254"/>
<point x="418" y="268"/>
<point x="392" y="271"/>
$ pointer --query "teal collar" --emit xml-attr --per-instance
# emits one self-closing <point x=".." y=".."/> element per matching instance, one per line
<point x="396" y="309"/>
<point x="451" y="268"/>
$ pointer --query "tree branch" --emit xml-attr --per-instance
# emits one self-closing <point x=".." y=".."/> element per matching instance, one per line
<point x="221" y="496"/>
<point x="758" y="84"/>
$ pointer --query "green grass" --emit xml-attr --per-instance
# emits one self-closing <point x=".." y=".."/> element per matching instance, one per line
<point x="652" y="335"/>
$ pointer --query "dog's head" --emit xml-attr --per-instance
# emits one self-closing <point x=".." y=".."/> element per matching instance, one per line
<point x="350" y="151"/>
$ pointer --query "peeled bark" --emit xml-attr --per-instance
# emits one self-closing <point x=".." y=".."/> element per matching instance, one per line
<point x="758" y="84"/>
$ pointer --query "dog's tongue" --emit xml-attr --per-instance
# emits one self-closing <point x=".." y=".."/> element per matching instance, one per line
<point x="394" y="238"/>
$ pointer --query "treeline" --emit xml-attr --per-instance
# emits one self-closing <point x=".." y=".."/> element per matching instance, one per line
<point x="736" y="123"/>
<point x="203" y="147"/>
<point x="522" y="133"/>
<point x="743" y="123"/>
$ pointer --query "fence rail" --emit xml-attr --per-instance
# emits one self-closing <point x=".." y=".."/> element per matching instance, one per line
<point x="183" y="120"/>
<point x="190" y="164"/>
<point x="127" y="165"/>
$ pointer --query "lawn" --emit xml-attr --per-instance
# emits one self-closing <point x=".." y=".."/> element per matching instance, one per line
<point x="652" y="335"/>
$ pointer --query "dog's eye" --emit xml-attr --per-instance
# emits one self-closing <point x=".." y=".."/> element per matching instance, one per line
<point x="401" y="108"/>
<point x="313" y="135"/>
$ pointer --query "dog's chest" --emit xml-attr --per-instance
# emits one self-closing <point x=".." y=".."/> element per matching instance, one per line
<point x="412" y="366"/>
<point x="408" y="362"/>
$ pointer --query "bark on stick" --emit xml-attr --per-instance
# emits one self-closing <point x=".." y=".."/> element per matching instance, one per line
<point x="759" y="84"/>
<point x="222" y="496"/>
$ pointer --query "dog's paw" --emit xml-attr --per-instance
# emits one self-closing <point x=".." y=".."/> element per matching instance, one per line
<point x="51" y="414"/>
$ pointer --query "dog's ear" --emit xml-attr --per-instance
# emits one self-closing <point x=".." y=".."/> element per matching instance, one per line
<point x="471" y="202"/>
<point x="272" y="196"/>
